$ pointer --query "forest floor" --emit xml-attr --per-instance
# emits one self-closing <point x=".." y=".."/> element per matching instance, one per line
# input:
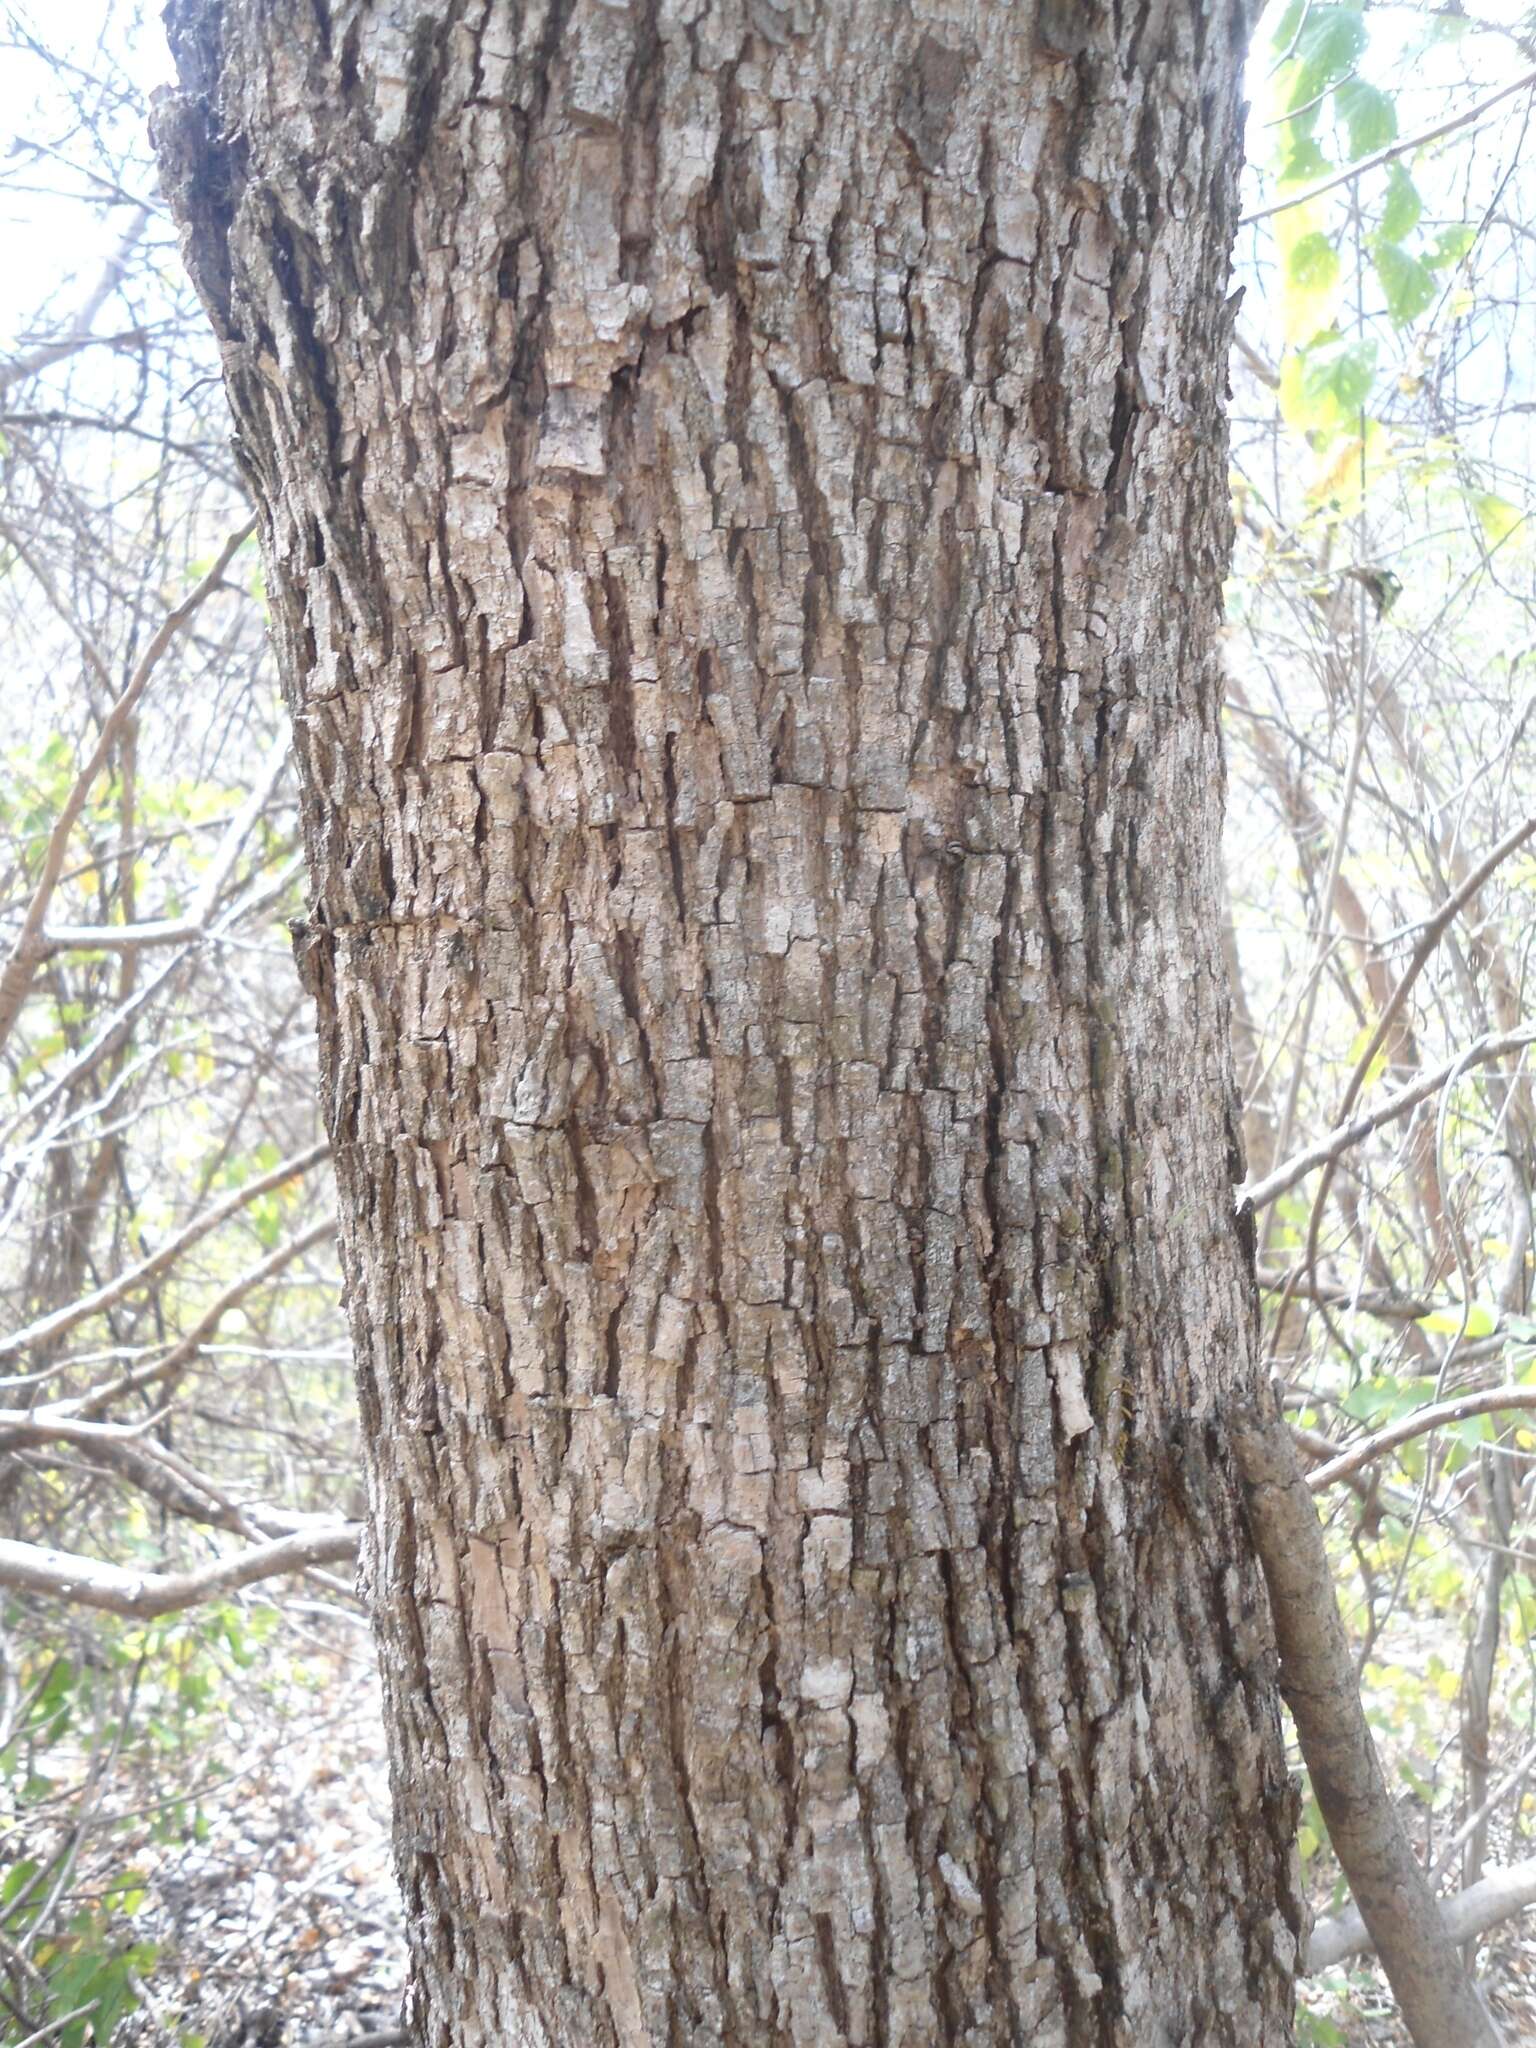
<point x="1506" y="1970"/>
<point x="279" y="1925"/>
<point x="282" y="1926"/>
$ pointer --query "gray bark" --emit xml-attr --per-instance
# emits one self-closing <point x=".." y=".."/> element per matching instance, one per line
<point x="743" y="491"/>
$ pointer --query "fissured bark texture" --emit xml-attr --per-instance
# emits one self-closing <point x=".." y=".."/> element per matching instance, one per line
<point x="743" y="489"/>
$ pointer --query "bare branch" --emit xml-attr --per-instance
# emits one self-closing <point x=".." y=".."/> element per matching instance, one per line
<point x="182" y="1353"/>
<point x="1339" y="1140"/>
<point x="1498" y="1896"/>
<point x="1392" y="152"/>
<point x="1434" y="930"/>
<point x="17" y="975"/>
<point x="1370" y="1301"/>
<point x="143" y="1596"/>
<point x="80" y="332"/>
<point x="1486" y="1402"/>
<point x="166" y="931"/>
<point x="50" y="1326"/>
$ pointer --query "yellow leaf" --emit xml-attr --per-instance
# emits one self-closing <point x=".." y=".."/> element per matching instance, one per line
<point x="1446" y="1322"/>
<point x="1312" y="291"/>
<point x="1378" y="1066"/>
<point x="1496" y="516"/>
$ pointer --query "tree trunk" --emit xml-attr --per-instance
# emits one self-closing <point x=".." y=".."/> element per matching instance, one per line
<point x="744" y="505"/>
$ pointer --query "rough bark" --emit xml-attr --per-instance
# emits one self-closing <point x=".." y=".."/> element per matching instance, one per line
<point x="744" y="501"/>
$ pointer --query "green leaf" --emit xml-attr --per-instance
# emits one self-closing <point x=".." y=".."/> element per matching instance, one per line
<point x="1378" y="1066"/>
<point x="266" y="1214"/>
<point x="116" y="1995"/>
<point x="1330" y="41"/>
<point x="1383" y="587"/>
<point x="1286" y="27"/>
<point x="1300" y="161"/>
<point x="82" y="1978"/>
<point x="1417" y="1783"/>
<point x="1384" y="1398"/>
<point x="1449" y="246"/>
<point x="1400" y="215"/>
<point x="60" y="1684"/>
<point x="1472" y="1430"/>
<point x="1369" y="116"/>
<point x="1323" y="388"/>
<point x="1409" y="286"/>
<point x="1313" y="263"/>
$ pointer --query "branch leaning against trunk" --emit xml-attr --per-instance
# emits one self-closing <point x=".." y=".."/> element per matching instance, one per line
<point x="1498" y="1497"/>
<point x="1439" y="2004"/>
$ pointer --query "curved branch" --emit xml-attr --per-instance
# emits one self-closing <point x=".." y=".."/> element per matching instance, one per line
<point x="144" y="1596"/>
<point x="1420" y="1423"/>
<point x="99" y="1399"/>
<point x="1335" y="1143"/>
<point x="1317" y="1680"/>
